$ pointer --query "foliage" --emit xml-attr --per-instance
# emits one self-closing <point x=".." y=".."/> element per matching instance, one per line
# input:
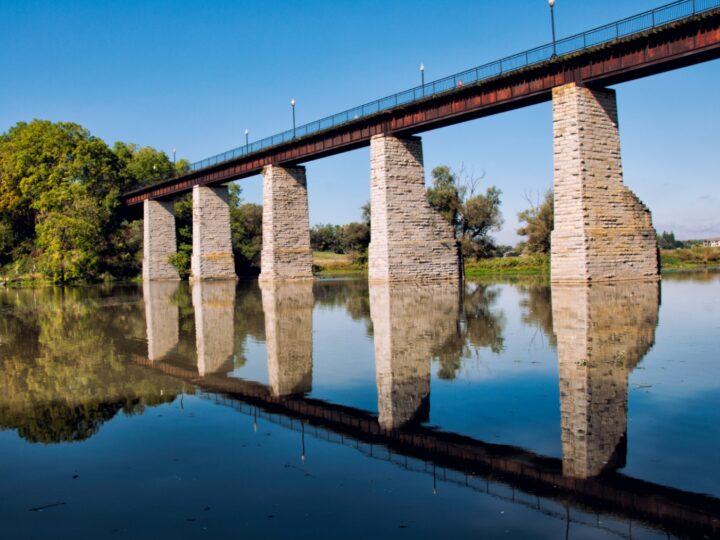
<point x="59" y="201"/>
<point x="539" y="221"/>
<point x="246" y="226"/>
<point x="145" y="165"/>
<point x="62" y="374"/>
<point x="666" y="240"/>
<point x="352" y="238"/>
<point x="472" y="216"/>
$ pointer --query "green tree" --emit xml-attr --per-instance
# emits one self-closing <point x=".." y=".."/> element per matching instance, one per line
<point x="539" y="221"/>
<point x="666" y="240"/>
<point x="472" y="216"/>
<point x="60" y="205"/>
<point x="145" y="165"/>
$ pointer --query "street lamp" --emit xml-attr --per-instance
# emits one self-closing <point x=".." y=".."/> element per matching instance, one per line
<point x="292" y="103"/>
<point x="422" y="74"/>
<point x="173" y="156"/>
<point x="247" y="132"/>
<point x="551" y="3"/>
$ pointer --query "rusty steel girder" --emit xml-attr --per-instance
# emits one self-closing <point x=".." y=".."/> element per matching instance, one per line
<point x="684" y="43"/>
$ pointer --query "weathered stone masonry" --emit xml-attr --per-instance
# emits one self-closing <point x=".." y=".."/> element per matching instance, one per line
<point x="409" y="240"/>
<point x="286" y="252"/>
<point x="212" y="256"/>
<point x="602" y="230"/>
<point x="158" y="241"/>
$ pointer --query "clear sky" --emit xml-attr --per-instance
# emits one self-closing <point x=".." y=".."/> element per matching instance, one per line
<point x="194" y="74"/>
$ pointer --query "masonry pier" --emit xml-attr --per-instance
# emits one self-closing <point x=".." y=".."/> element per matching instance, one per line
<point x="409" y="239"/>
<point x="159" y="241"/>
<point x="212" y="256"/>
<point x="603" y="232"/>
<point x="286" y="252"/>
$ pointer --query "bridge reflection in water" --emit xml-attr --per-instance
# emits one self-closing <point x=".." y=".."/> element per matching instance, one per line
<point x="189" y="341"/>
<point x="602" y="332"/>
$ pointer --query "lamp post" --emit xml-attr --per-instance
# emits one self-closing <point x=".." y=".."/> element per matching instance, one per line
<point x="173" y="156"/>
<point x="292" y="103"/>
<point x="247" y="132"/>
<point x="551" y="3"/>
<point x="422" y="75"/>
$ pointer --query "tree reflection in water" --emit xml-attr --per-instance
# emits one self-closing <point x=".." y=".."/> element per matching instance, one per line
<point x="62" y="373"/>
<point x="479" y="325"/>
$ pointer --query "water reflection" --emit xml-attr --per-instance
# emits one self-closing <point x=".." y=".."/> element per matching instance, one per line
<point x="214" y="305"/>
<point x="71" y="359"/>
<point x="479" y="325"/>
<point x="288" y="308"/>
<point x="409" y="321"/>
<point x="62" y="373"/>
<point x="162" y="317"/>
<point x="603" y="332"/>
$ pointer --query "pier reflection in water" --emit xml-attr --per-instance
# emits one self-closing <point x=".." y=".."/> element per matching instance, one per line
<point x="603" y="331"/>
<point x="288" y="308"/>
<point x="72" y="359"/>
<point x="409" y="321"/>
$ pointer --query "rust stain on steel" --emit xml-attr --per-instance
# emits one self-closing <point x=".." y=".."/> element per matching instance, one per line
<point x="693" y="41"/>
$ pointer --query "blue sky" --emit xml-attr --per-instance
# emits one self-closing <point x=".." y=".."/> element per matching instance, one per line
<point x="193" y="75"/>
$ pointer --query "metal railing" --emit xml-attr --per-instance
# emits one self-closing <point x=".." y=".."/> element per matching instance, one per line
<point x="641" y="22"/>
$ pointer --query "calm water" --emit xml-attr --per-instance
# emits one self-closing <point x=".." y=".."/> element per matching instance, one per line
<point x="342" y="410"/>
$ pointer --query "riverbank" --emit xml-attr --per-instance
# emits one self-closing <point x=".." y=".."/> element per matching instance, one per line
<point x="695" y="258"/>
<point x="327" y="264"/>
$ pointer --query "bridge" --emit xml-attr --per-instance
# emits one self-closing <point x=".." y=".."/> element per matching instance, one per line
<point x="602" y="231"/>
<point x="408" y="320"/>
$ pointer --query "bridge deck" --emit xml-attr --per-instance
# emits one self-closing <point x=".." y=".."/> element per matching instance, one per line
<point x="636" y="47"/>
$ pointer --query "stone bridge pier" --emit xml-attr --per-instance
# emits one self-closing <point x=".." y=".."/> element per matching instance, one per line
<point x="603" y="331"/>
<point x="288" y="307"/>
<point x="212" y="256"/>
<point x="409" y="239"/>
<point x="603" y="232"/>
<point x="409" y="321"/>
<point x="159" y="242"/>
<point x="286" y="252"/>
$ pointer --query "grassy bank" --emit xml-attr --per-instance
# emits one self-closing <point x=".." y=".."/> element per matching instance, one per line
<point x="328" y="264"/>
<point x="534" y="265"/>
<point x="693" y="258"/>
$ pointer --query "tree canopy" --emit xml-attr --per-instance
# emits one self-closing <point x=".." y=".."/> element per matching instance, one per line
<point x="539" y="221"/>
<point x="473" y="216"/>
<point x="60" y="192"/>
